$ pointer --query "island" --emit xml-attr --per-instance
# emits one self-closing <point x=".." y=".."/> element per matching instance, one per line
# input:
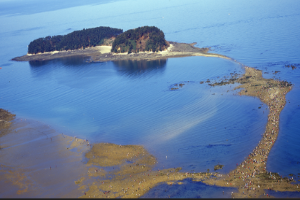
<point x="110" y="44"/>
<point x="126" y="171"/>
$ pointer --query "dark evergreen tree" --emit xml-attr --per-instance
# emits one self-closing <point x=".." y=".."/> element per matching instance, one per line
<point x="75" y="40"/>
<point x="132" y="38"/>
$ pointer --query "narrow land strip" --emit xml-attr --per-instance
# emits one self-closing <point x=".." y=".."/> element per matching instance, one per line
<point x="251" y="176"/>
<point x="103" y="54"/>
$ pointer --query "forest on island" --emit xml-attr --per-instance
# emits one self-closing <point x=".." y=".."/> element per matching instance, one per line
<point x="147" y="38"/>
<point x="75" y="40"/>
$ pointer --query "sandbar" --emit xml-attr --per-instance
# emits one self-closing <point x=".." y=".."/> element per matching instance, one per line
<point x="251" y="176"/>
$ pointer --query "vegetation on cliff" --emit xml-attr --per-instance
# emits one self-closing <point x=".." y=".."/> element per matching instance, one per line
<point x="146" y="38"/>
<point x="75" y="40"/>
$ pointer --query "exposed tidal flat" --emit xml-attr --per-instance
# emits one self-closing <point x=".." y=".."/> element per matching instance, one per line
<point x="113" y="170"/>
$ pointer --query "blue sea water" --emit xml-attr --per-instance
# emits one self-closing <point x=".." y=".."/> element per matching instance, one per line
<point x="130" y="102"/>
<point x="189" y="189"/>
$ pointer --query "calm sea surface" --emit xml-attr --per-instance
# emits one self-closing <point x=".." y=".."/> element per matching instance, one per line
<point x="131" y="102"/>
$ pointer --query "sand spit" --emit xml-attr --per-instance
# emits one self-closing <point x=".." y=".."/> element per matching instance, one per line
<point x="175" y="50"/>
<point x="251" y="176"/>
<point x="87" y="52"/>
<point x="103" y="54"/>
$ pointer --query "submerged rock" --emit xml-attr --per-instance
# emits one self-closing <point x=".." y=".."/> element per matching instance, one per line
<point x="218" y="167"/>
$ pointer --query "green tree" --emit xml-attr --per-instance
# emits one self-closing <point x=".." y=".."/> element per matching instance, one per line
<point x="76" y="39"/>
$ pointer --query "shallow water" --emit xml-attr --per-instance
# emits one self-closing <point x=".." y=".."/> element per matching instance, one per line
<point x="131" y="102"/>
<point x="189" y="189"/>
<point x="282" y="194"/>
<point x="35" y="160"/>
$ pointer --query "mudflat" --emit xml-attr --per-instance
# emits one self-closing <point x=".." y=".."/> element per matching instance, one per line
<point x="37" y="161"/>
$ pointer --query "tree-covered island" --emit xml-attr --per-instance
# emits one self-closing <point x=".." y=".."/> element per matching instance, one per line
<point x="111" y="44"/>
<point x="146" y="38"/>
<point x="77" y="39"/>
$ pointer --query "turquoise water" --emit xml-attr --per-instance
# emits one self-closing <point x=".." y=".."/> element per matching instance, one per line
<point x="131" y="102"/>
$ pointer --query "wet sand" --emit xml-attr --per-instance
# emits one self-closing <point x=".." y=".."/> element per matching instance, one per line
<point x="126" y="172"/>
<point x="36" y="161"/>
<point x="103" y="54"/>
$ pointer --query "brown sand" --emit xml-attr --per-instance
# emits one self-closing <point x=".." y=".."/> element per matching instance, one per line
<point x="175" y="50"/>
<point x="131" y="175"/>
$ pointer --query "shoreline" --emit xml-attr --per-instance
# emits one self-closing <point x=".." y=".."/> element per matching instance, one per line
<point x="250" y="177"/>
<point x="103" y="54"/>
